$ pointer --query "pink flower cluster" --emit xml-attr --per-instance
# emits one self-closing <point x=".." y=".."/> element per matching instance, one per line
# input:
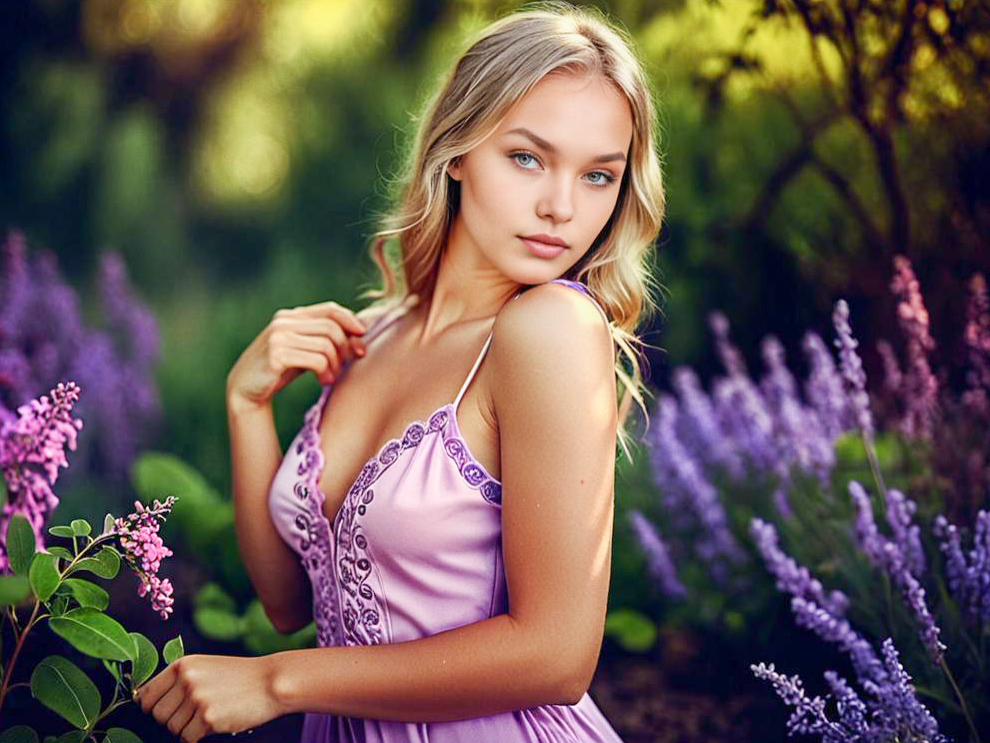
<point x="144" y="550"/>
<point x="977" y="339"/>
<point x="920" y="392"/>
<point x="32" y="450"/>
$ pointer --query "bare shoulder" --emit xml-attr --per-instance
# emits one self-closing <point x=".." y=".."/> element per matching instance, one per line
<point x="552" y="319"/>
<point x="550" y="335"/>
<point x="377" y="310"/>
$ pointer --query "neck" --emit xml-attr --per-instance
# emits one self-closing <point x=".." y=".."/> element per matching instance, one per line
<point x="465" y="292"/>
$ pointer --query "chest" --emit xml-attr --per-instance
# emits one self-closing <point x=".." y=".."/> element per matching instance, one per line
<point x="380" y="395"/>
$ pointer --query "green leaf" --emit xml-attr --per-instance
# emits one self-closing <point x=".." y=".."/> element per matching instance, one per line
<point x="173" y="650"/>
<point x="81" y="527"/>
<point x="13" y="590"/>
<point x="19" y="733"/>
<point x="43" y="575"/>
<point x="73" y="736"/>
<point x="60" y="552"/>
<point x="4" y="497"/>
<point x="146" y="663"/>
<point x="218" y="624"/>
<point x="92" y="632"/>
<point x="20" y="544"/>
<point x="112" y="668"/>
<point x="58" y="605"/>
<point x="632" y="630"/>
<point x="108" y="523"/>
<point x="87" y="594"/>
<point x="213" y="595"/>
<point x="105" y="564"/>
<point x="120" y="735"/>
<point x="60" y="685"/>
<point x="62" y="531"/>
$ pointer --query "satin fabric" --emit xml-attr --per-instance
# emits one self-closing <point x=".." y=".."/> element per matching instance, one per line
<point x="414" y="550"/>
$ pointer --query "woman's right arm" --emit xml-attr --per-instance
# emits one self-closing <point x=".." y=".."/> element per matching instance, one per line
<point x="318" y="338"/>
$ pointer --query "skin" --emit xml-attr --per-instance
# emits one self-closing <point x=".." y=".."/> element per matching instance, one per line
<point x="557" y="444"/>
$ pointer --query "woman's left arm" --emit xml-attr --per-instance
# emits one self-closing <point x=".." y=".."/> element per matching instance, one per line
<point x="554" y="397"/>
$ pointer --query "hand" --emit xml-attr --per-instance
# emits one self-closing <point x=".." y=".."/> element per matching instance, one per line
<point x="317" y="338"/>
<point x="200" y="695"/>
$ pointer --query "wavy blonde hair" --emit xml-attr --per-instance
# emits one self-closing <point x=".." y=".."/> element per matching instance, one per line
<point x="497" y="67"/>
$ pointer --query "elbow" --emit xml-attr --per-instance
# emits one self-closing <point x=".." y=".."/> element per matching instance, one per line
<point x="286" y="624"/>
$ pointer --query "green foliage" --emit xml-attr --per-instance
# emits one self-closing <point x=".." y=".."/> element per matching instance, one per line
<point x="216" y="617"/>
<point x="74" y="608"/>
<point x="632" y="630"/>
<point x="61" y="685"/>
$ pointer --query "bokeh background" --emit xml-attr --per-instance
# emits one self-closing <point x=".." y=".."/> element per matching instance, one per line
<point x="235" y="155"/>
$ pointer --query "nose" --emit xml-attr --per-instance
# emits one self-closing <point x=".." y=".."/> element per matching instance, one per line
<point x="557" y="200"/>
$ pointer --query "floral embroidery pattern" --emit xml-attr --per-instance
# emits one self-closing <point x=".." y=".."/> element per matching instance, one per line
<point x="314" y="542"/>
<point x="472" y="472"/>
<point x="346" y="609"/>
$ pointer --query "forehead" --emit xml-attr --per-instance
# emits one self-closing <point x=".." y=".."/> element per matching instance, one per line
<point x="577" y="111"/>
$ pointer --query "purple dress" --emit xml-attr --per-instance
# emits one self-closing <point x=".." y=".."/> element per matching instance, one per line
<point x="414" y="550"/>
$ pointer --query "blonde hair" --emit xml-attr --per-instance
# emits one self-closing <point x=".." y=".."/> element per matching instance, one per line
<point x="499" y="66"/>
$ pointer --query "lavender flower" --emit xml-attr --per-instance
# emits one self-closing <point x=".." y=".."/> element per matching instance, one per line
<point x="732" y="360"/>
<point x="43" y="340"/>
<point x="968" y="576"/>
<point x="837" y="630"/>
<point x="32" y="451"/>
<point x="689" y="494"/>
<point x="888" y="556"/>
<point x="852" y="710"/>
<point x="809" y="714"/>
<point x="919" y="387"/>
<point x="698" y="427"/>
<point x="824" y="390"/>
<point x="657" y="558"/>
<point x="899" y="715"/>
<point x="852" y="369"/>
<point x="793" y="578"/>
<point x="907" y="536"/>
<point x="143" y="549"/>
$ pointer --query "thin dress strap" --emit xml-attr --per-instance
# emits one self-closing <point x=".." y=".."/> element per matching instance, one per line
<point x="477" y="361"/>
<point x="577" y="285"/>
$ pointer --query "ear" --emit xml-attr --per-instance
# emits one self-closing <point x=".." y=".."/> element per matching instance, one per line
<point x="454" y="168"/>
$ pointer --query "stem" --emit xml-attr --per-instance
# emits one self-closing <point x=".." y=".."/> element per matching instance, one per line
<point x="931" y="694"/>
<point x="962" y="702"/>
<point x="87" y="548"/>
<point x="8" y="672"/>
<point x="871" y="456"/>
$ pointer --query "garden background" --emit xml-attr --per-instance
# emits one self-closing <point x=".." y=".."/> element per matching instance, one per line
<point x="214" y="161"/>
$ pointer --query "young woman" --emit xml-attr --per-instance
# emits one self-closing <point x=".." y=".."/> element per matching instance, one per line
<point x="445" y="512"/>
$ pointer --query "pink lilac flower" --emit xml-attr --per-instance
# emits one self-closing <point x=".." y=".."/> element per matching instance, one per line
<point x="919" y="387"/>
<point x="32" y="451"/>
<point x="852" y="369"/>
<point x="893" y="377"/>
<point x="658" y="560"/>
<point x="977" y="339"/>
<point x="888" y="556"/>
<point x="143" y="549"/>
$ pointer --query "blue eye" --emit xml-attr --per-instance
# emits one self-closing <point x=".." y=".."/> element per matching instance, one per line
<point x="516" y="155"/>
<point x="605" y="179"/>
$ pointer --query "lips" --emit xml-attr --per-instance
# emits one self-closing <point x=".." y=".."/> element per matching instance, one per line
<point x="546" y="239"/>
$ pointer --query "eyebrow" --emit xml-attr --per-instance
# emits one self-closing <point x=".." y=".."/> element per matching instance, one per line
<point x="543" y="144"/>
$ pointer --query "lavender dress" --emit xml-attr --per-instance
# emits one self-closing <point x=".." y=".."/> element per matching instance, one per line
<point x="377" y="577"/>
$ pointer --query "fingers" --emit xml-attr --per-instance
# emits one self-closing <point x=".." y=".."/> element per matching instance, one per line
<point x="181" y="718"/>
<point x="194" y="729"/>
<point x="311" y="360"/>
<point x="334" y="354"/>
<point x="348" y="320"/>
<point x="166" y="707"/>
